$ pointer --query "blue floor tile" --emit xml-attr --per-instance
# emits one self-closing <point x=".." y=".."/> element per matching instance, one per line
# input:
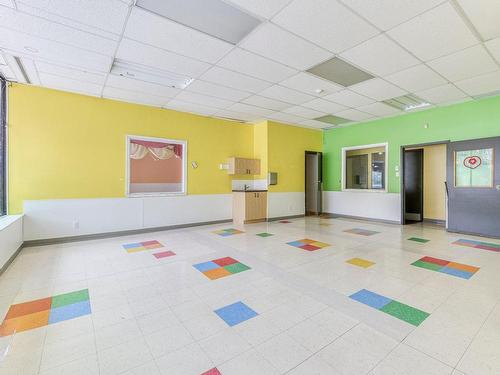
<point x="66" y="312"/>
<point x="296" y="243"/>
<point x="236" y="313"/>
<point x="132" y="245"/>
<point x="371" y="299"/>
<point x="206" y="266"/>
<point x="457" y="273"/>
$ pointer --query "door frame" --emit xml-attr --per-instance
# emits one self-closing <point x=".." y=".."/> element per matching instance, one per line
<point x="402" y="176"/>
<point x="320" y="178"/>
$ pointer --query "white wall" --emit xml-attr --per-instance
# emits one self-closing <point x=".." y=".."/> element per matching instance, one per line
<point x="74" y="217"/>
<point x="11" y="236"/>
<point x="371" y="205"/>
<point x="285" y="204"/>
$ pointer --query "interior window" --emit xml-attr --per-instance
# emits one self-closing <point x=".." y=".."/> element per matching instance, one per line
<point x="156" y="166"/>
<point x="365" y="168"/>
<point x="3" y="146"/>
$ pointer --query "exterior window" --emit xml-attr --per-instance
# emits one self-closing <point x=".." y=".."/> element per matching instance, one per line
<point x="3" y="147"/>
<point x="365" y="168"/>
<point x="156" y="166"/>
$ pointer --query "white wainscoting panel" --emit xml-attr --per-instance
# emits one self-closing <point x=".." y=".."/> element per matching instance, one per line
<point x="11" y="236"/>
<point x="285" y="204"/>
<point x="381" y="206"/>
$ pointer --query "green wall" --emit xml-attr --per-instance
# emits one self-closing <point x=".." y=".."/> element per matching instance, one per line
<point x="475" y="119"/>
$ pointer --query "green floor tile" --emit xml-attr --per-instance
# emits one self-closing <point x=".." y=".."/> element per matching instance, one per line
<point x="416" y="239"/>
<point x="429" y="266"/>
<point x="69" y="298"/>
<point x="265" y="234"/>
<point x="236" y="267"/>
<point x="404" y="312"/>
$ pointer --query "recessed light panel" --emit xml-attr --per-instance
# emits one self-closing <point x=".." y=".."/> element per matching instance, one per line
<point x="212" y="17"/>
<point x="341" y="72"/>
<point x="332" y="120"/>
<point x="407" y="102"/>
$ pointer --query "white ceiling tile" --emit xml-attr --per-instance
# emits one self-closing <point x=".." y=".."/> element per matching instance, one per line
<point x="416" y="78"/>
<point x="143" y="54"/>
<point x="130" y="84"/>
<point x="315" y="124"/>
<point x="286" y="95"/>
<point x="285" y="117"/>
<point x="354" y="115"/>
<point x="378" y="89"/>
<point x="304" y="112"/>
<point x="260" y="101"/>
<point x="327" y="23"/>
<point x="7" y="3"/>
<point x="53" y="51"/>
<point x="2" y="59"/>
<point x="277" y="44"/>
<point x="435" y="33"/>
<point x="349" y="98"/>
<point x="182" y="106"/>
<point x="42" y="28"/>
<point x="160" y="32"/>
<point x="232" y="115"/>
<point x="67" y="84"/>
<point x="262" y="8"/>
<point x="324" y="106"/>
<point x="385" y="14"/>
<point x="208" y="101"/>
<point x="254" y="65"/>
<point x="7" y="72"/>
<point x="379" y="109"/>
<point x="133" y="97"/>
<point x="467" y="63"/>
<point x="211" y="89"/>
<point x="31" y="71"/>
<point x="483" y="84"/>
<point x="380" y="56"/>
<point x="442" y="94"/>
<point x="250" y="109"/>
<point x="107" y="15"/>
<point x="484" y="16"/>
<point x="235" y="80"/>
<point x="78" y="75"/>
<point x="310" y="84"/>
<point x="494" y="47"/>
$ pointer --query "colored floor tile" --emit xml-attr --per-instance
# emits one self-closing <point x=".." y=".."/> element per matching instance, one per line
<point x="70" y="298"/>
<point x="24" y="323"/>
<point x="478" y="245"/>
<point x="426" y="265"/>
<point x="142" y="246"/>
<point x="212" y="371"/>
<point x="457" y="273"/>
<point x="228" y="232"/>
<point x="27" y="308"/>
<point x="217" y="273"/>
<point x="463" y="271"/>
<point x="416" y="239"/>
<point x="225" y="261"/>
<point x="463" y="267"/>
<point x="284" y="222"/>
<point x="371" y="299"/>
<point x="264" y="234"/>
<point x="236" y="267"/>
<point x="164" y="254"/>
<point x="360" y="262"/>
<point x="439" y="262"/>
<point x="308" y="244"/>
<point x="406" y="313"/>
<point x="361" y="232"/>
<point x="217" y="268"/>
<point x="235" y="313"/>
<point x="206" y="266"/>
<point x="71" y="311"/>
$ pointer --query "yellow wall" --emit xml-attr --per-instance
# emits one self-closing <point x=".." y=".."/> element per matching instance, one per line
<point x="286" y="147"/>
<point x="434" y="177"/>
<point x="260" y="147"/>
<point x="64" y="145"/>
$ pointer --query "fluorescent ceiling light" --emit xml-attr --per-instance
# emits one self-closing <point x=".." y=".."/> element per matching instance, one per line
<point x="341" y="72"/>
<point x="213" y="17"/>
<point x="332" y="120"/>
<point x="146" y="74"/>
<point x="407" y="102"/>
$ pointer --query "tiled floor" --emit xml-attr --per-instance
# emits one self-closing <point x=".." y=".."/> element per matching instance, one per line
<point x="289" y="312"/>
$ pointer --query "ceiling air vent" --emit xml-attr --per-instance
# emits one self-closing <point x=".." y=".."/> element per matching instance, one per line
<point x="332" y="120"/>
<point x="151" y="75"/>
<point x="407" y="102"/>
<point x="340" y="72"/>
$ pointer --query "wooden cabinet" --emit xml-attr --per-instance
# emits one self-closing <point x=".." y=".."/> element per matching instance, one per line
<point x="249" y="206"/>
<point x="242" y="166"/>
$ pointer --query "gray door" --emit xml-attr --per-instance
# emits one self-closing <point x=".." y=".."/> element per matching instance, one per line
<point x="313" y="182"/>
<point x="473" y="185"/>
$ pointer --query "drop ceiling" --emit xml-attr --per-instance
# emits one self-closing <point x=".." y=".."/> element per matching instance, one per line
<point x="273" y="62"/>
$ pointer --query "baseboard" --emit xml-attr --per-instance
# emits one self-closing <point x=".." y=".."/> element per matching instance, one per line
<point x="335" y="216"/>
<point x="269" y="219"/>
<point x="11" y="259"/>
<point x="435" y="221"/>
<point x="472" y="234"/>
<point x="98" y="236"/>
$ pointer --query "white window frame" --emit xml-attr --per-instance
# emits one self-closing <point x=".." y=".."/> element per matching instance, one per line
<point x="128" y="138"/>
<point x="344" y="158"/>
